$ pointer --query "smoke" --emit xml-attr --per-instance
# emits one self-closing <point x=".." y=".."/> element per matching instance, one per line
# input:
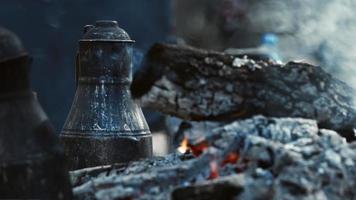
<point x="319" y="31"/>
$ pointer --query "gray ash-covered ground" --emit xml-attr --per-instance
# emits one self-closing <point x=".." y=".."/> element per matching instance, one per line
<point x="274" y="158"/>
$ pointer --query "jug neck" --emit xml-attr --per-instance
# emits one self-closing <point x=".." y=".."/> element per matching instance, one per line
<point x="100" y="62"/>
<point x="14" y="76"/>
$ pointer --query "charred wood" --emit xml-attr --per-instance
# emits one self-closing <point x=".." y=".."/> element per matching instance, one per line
<point x="195" y="84"/>
<point x="81" y="176"/>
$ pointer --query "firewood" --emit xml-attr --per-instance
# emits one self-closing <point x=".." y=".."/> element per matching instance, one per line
<point x="196" y="84"/>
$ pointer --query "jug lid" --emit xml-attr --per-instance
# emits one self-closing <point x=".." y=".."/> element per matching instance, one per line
<point x="10" y="46"/>
<point x="105" y="31"/>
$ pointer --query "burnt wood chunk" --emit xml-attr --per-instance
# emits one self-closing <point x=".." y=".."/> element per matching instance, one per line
<point x="196" y="84"/>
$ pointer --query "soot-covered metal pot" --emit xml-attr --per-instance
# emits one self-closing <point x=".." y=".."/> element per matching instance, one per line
<point x="105" y="125"/>
<point x="31" y="158"/>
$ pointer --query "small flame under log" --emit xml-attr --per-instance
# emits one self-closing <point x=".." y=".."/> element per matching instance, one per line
<point x="196" y="148"/>
<point x="184" y="146"/>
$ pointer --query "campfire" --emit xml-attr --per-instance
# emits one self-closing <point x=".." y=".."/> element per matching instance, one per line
<point x="257" y="130"/>
<point x="199" y="148"/>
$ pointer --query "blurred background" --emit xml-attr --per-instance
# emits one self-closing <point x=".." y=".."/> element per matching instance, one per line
<point x="321" y="32"/>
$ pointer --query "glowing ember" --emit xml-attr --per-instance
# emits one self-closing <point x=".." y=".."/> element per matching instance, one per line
<point x="198" y="149"/>
<point x="214" y="170"/>
<point x="184" y="146"/>
<point x="232" y="158"/>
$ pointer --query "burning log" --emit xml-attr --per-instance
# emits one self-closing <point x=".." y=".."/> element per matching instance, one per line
<point x="283" y="158"/>
<point x="196" y="84"/>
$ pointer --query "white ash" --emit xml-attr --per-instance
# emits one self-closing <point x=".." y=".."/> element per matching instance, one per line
<point x="286" y="158"/>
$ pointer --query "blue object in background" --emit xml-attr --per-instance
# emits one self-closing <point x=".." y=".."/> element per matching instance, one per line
<point x="270" y="39"/>
<point x="50" y="30"/>
<point x="270" y="46"/>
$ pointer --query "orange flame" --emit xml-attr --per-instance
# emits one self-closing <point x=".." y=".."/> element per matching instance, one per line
<point x="196" y="149"/>
<point x="184" y="146"/>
